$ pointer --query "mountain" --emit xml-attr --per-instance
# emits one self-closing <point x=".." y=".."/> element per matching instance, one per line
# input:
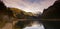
<point x="8" y="14"/>
<point x="5" y="14"/>
<point x="53" y="12"/>
<point x="12" y="13"/>
<point x="18" y="13"/>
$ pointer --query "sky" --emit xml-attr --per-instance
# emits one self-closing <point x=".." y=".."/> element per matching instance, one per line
<point x="34" y="6"/>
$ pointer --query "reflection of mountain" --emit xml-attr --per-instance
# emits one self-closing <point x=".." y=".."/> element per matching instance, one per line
<point x="53" y="11"/>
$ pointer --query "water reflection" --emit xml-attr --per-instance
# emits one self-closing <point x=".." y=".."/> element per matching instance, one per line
<point x="35" y="25"/>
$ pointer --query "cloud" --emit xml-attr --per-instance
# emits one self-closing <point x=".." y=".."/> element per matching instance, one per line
<point x="33" y="1"/>
<point x="33" y="6"/>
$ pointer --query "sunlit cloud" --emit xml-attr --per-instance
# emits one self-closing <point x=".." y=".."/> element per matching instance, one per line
<point x="33" y="6"/>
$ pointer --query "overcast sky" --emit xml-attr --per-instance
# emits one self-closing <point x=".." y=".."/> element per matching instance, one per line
<point x="29" y="5"/>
